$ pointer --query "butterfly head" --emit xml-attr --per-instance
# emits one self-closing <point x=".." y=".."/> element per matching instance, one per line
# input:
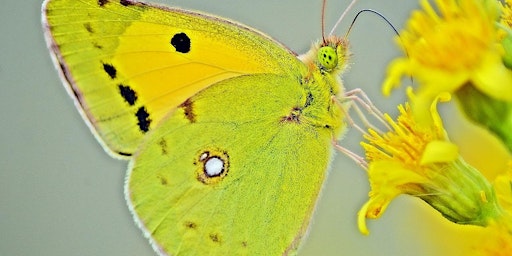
<point x="329" y="55"/>
<point x="332" y="54"/>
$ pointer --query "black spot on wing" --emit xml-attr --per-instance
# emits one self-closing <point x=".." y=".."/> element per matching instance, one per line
<point x="124" y="154"/>
<point x="97" y="45"/>
<point x="125" y="2"/>
<point x="110" y="70"/>
<point x="190" y="225"/>
<point x="132" y="3"/>
<point x="188" y="110"/>
<point x="163" y="146"/>
<point x="143" y="119"/>
<point x="181" y="42"/>
<point x="215" y="238"/>
<point x="163" y="180"/>
<point x="128" y="94"/>
<point x="101" y="3"/>
<point x="88" y="27"/>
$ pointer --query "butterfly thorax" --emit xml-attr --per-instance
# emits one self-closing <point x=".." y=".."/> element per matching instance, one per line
<point x="326" y="60"/>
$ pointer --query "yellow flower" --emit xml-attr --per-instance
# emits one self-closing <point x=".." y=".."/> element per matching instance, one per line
<point x="497" y="236"/>
<point x="456" y="45"/>
<point x="419" y="160"/>
<point x="496" y="239"/>
<point x="503" y="187"/>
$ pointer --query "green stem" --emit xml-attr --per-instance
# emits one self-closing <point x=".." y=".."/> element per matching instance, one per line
<point x="492" y="114"/>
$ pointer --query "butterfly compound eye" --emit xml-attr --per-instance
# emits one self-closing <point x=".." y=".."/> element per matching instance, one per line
<point x="327" y="57"/>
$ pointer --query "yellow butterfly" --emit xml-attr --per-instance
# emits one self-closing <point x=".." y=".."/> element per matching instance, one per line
<point x="228" y="133"/>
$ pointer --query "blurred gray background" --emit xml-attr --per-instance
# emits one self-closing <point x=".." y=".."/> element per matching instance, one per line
<point x="61" y="194"/>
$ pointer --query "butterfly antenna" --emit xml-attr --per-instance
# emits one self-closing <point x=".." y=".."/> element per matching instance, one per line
<point x="374" y="12"/>
<point x="324" y="3"/>
<point x="342" y="16"/>
<point x="385" y="19"/>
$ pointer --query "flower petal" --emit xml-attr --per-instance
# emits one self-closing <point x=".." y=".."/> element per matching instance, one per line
<point x="494" y="79"/>
<point x="439" y="151"/>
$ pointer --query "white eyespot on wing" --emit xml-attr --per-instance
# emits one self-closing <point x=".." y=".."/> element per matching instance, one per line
<point x="214" y="166"/>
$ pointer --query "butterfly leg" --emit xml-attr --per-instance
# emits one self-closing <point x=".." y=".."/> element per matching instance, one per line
<point x="360" y="103"/>
<point x="359" y="98"/>
<point x="359" y="160"/>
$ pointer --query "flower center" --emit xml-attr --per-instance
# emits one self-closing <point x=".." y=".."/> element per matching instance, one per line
<point x="405" y="144"/>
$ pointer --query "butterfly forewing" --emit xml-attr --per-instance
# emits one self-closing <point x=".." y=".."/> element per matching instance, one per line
<point x="128" y="64"/>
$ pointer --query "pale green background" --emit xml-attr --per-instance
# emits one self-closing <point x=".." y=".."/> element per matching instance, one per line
<point x="60" y="194"/>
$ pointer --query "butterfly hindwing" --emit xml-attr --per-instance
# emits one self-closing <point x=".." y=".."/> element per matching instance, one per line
<point x="272" y="169"/>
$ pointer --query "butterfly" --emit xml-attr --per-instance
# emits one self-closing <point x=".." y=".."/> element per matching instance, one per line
<point x="228" y="133"/>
